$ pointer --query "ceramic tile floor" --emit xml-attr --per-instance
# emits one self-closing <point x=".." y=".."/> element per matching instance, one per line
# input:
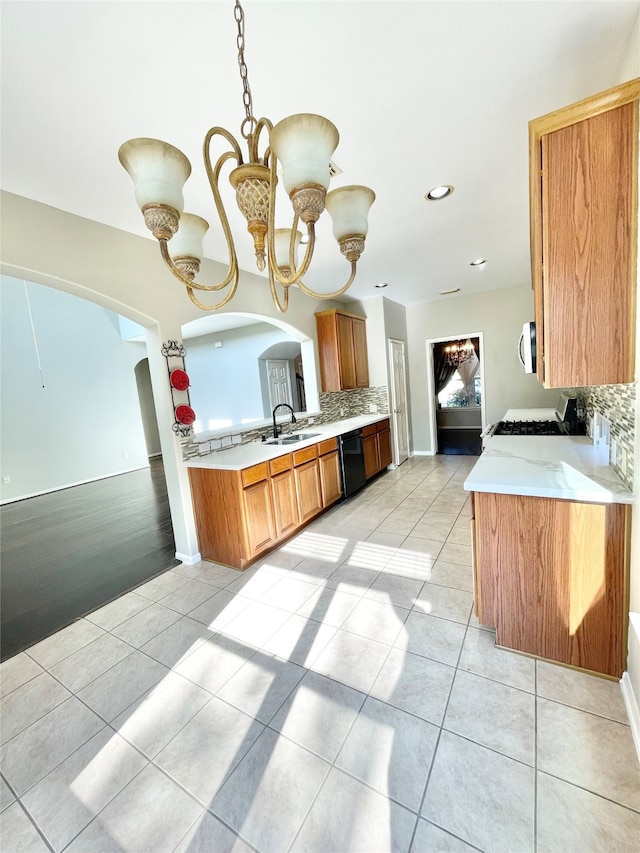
<point x="340" y="696"/>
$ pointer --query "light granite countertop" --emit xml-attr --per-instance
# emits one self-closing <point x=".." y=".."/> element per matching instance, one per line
<point x="566" y="467"/>
<point x="245" y="455"/>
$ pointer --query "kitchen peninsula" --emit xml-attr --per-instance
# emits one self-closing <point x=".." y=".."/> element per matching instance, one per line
<point x="250" y="498"/>
<point x="550" y="533"/>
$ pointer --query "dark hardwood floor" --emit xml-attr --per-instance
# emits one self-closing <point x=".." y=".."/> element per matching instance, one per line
<point x="69" y="552"/>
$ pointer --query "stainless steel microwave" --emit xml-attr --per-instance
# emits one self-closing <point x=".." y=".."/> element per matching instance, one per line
<point x="527" y="347"/>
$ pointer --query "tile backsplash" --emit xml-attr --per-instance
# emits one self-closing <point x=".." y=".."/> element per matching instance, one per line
<point x="617" y="403"/>
<point x="334" y="405"/>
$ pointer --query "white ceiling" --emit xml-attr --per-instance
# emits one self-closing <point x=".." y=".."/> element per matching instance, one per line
<point x="422" y="93"/>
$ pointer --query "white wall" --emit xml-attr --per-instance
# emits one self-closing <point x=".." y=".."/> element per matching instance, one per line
<point x="87" y="416"/>
<point x="499" y="314"/>
<point x="225" y="381"/>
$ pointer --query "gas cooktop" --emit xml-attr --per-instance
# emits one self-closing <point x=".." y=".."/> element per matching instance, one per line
<point x="528" y="428"/>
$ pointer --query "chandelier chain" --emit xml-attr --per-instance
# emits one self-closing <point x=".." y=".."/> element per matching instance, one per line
<point x="238" y="14"/>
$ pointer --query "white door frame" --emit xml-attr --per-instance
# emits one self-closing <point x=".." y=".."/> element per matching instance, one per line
<point x="431" y="388"/>
<point x="394" y="419"/>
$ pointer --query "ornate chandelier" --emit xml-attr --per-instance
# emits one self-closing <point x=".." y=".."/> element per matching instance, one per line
<point x="303" y="145"/>
<point x="458" y="352"/>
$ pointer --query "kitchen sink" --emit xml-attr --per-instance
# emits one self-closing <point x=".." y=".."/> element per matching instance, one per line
<point x="293" y="439"/>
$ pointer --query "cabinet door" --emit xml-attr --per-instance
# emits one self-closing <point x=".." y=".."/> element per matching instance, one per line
<point x="308" y="490"/>
<point x="553" y="574"/>
<point x="259" y="516"/>
<point x="370" y="448"/>
<point x="346" y="353"/>
<point x="583" y="186"/>
<point x="361" y="359"/>
<point x="384" y="448"/>
<point x="285" y="505"/>
<point x="330" y="478"/>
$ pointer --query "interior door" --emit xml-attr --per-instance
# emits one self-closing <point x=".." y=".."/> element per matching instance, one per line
<point x="399" y="412"/>
<point x="279" y="382"/>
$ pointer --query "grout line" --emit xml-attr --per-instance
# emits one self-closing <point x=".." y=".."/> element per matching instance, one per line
<point x="535" y="758"/>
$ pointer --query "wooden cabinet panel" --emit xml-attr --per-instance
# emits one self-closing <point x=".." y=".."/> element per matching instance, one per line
<point x="305" y="454"/>
<point x="384" y="449"/>
<point x="369" y="429"/>
<point x="360" y="355"/>
<point x="254" y="474"/>
<point x="370" y="448"/>
<point x="258" y="516"/>
<point x="327" y="446"/>
<point x="285" y="505"/>
<point x="346" y="354"/>
<point x="583" y="189"/>
<point x="330" y="482"/>
<point x="308" y="490"/>
<point x="342" y="347"/>
<point x="552" y="578"/>
<point x="281" y="463"/>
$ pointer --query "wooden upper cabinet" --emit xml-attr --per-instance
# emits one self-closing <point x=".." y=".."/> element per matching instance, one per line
<point x="342" y="346"/>
<point x="583" y="188"/>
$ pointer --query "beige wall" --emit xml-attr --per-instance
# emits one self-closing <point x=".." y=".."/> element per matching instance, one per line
<point x="499" y="315"/>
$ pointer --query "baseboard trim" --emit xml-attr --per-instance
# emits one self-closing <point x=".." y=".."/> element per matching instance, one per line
<point x="189" y="559"/>
<point x="71" y="485"/>
<point x="424" y="453"/>
<point x="633" y="711"/>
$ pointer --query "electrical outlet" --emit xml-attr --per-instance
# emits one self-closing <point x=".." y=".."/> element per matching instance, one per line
<point x="6" y="481"/>
<point x="342" y="412"/>
<point x="125" y="455"/>
<point x="373" y="407"/>
<point x="311" y="421"/>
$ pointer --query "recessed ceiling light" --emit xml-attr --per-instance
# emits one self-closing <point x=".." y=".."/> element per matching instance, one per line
<point x="479" y="262"/>
<point x="439" y="192"/>
<point x="383" y="284"/>
<point x="446" y="292"/>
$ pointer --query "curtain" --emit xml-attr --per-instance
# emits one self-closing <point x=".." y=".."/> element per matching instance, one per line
<point x="442" y="369"/>
<point x="468" y="369"/>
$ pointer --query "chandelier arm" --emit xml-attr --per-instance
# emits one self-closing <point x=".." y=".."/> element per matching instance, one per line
<point x="274" y="293"/>
<point x="335" y="293"/>
<point x="215" y="307"/>
<point x="232" y="275"/>
<point x="253" y="139"/>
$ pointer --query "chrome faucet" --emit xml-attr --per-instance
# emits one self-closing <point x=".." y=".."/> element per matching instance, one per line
<point x="280" y="406"/>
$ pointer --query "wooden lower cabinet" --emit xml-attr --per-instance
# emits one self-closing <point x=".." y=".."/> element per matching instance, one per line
<point x="330" y="483"/>
<point x="551" y="577"/>
<point x="258" y="510"/>
<point x="308" y="490"/>
<point x="376" y="443"/>
<point x="384" y="447"/>
<point x="285" y="504"/>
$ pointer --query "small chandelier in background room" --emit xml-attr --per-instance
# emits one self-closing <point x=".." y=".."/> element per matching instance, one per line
<point x="303" y="144"/>
<point x="458" y="352"/>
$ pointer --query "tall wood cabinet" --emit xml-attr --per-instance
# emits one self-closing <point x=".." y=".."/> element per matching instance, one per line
<point x="342" y="347"/>
<point x="551" y="577"/>
<point x="584" y="203"/>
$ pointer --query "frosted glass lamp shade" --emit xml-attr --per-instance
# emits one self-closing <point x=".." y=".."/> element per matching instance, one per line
<point x="282" y="241"/>
<point x="187" y="242"/>
<point x="304" y="144"/>
<point x="348" y="208"/>
<point x="158" y="171"/>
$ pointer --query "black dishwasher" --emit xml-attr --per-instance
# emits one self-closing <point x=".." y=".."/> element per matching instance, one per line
<point x="351" y="461"/>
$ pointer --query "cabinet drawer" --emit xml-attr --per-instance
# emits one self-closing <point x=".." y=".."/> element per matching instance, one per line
<point x="305" y="454"/>
<point x="254" y="474"/>
<point x="381" y="426"/>
<point x="370" y="429"/>
<point x="327" y="446"/>
<point x="282" y="463"/>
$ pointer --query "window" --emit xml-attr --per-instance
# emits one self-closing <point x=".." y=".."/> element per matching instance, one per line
<point x="455" y="395"/>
